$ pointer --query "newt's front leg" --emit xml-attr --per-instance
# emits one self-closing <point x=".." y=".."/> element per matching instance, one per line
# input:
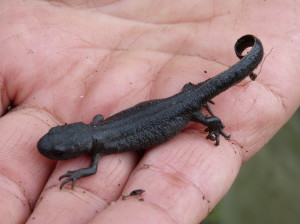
<point x="83" y="172"/>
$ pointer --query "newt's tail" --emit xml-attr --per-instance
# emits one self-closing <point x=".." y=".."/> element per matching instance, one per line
<point x="238" y="71"/>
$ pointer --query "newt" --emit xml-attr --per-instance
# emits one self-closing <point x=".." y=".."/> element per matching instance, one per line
<point x="152" y="122"/>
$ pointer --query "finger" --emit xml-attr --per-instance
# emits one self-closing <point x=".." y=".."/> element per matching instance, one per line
<point x="23" y="171"/>
<point x="183" y="180"/>
<point x="91" y="194"/>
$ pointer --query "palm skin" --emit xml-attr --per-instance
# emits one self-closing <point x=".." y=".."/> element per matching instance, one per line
<point x="67" y="61"/>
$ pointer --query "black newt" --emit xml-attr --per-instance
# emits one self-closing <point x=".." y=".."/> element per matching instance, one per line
<point x="149" y="123"/>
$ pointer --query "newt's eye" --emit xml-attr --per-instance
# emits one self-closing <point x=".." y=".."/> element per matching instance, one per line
<point x="58" y="150"/>
<point x="58" y="153"/>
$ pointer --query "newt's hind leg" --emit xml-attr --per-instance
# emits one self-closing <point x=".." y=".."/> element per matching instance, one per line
<point x="208" y="108"/>
<point x="190" y="86"/>
<point x="214" y="125"/>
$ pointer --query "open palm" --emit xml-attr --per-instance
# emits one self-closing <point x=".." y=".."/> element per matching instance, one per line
<point x="66" y="61"/>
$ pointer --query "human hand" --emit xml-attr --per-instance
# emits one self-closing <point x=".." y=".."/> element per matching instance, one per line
<point x="62" y="63"/>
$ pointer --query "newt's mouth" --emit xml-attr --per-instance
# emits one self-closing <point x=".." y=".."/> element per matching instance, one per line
<point x="48" y="150"/>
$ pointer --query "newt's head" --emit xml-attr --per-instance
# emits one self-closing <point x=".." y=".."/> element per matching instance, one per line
<point x="66" y="141"/>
